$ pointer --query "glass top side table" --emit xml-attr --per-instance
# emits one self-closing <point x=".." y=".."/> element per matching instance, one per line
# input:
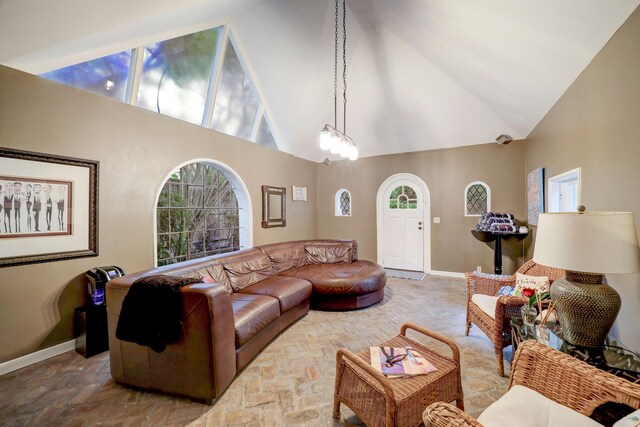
<point x="612" y="357"/>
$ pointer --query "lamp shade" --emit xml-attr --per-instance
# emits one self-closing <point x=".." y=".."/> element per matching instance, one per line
<point x="591" y="242"/>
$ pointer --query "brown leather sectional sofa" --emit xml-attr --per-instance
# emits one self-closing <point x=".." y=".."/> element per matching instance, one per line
<point x="257" y="293"/>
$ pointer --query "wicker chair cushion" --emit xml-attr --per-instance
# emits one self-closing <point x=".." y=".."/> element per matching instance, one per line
<point x="524" y="281"/>
<point x="486" y="303"/>
<point x="630" y="420"/>
<point x="523" y="407"/>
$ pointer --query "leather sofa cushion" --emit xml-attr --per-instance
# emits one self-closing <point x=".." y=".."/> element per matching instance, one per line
<point x="357" y="278"/>
<point x="289" y="291"/>
<point x="286" y="255"/>
<point x="215" y="271"/>
<point x="247" y="267"/>
<point x="251" y="314"/>
<point x="328" y="253"/>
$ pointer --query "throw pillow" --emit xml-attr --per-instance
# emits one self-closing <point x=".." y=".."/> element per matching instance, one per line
<point x="507" y="291"/>
<point x="540" y="283"/>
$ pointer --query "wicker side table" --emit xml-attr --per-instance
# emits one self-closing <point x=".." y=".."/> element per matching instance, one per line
<point x="380" y="401"/>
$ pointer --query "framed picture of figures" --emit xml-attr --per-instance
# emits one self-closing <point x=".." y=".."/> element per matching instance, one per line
<point x="48" y="207"/>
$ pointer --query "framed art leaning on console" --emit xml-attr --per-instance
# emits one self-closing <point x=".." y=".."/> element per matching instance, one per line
<point x="48" y="207"/>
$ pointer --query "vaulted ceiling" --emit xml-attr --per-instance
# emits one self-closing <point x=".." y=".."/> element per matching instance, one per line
<point x="422" y="74"/>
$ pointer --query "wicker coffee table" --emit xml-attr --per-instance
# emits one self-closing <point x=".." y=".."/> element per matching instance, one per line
<point x="380" y="401"/>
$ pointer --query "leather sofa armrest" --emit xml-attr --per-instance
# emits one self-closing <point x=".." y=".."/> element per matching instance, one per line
<point x="202" y="364"/>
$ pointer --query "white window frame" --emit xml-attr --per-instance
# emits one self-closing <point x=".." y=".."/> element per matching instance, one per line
<point x="338" y="210"/>
<point x="555" y="184"/>
<point x="227" y="35"/>
<point x="486" y="186"/>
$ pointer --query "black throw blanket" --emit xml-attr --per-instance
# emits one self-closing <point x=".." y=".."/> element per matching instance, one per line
<point x="150" y="313"/>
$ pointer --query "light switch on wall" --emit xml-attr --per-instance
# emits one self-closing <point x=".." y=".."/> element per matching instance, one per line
<point x="436" y="220"/>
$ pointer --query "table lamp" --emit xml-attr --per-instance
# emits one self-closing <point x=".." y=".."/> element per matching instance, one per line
<point x="587" y="245"/>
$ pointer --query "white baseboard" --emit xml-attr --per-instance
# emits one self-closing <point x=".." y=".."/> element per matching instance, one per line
<point x="446" y="273"/>
<point x="38" y="356"/>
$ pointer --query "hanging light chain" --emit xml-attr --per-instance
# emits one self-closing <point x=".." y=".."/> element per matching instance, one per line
<point x="335" y="72"/>
<point x="344" y="65"/>
<point x="330" y="137"/>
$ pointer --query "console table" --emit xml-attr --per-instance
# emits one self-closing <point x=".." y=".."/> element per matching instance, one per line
<point x="612" y="357"/>
<point x="490" y="236"/>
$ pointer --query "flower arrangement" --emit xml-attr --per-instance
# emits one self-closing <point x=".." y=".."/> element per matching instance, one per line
<point x="535" y="297"/>
<point x="535" y="302"/>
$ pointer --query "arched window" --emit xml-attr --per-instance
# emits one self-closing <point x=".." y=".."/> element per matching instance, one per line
<point x="477" y="199"/>
<point x="403" y="197"/>
<point x="203" y="209"/>
<point x="343" y="203"/>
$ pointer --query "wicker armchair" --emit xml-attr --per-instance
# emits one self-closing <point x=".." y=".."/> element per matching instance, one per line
<point x="498" y="329"/>
<point x="557" y="376"/>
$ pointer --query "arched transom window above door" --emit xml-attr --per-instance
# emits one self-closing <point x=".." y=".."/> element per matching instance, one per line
<point x="477" y="199"/>
<point x="403" y="197"/>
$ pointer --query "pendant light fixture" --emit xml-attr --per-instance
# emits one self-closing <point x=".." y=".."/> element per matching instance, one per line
<point x="331" y="138"/>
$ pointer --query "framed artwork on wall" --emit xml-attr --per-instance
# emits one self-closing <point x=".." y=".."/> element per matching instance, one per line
<point x="274" y="206"/>
<point x="299" y="193"/>
<point x="535" y="195"/>
<point x="48" y="207"/>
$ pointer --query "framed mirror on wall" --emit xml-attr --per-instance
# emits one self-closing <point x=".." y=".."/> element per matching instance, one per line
<point x="274" y="206"/>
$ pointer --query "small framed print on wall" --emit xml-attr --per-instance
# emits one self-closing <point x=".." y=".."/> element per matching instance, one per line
<point x="299" y="193"/>
<point x="48" y="207"/>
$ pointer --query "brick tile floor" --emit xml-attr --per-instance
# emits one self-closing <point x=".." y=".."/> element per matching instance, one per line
<point x="290" y="383"/>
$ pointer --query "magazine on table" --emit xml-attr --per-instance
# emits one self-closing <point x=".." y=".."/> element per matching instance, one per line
<point x="395" y="362"/>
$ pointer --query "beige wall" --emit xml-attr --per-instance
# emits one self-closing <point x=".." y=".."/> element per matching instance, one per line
<point x="596" y="126"/>
<point x="446" y="172"/>
<point x="136" y="149"/>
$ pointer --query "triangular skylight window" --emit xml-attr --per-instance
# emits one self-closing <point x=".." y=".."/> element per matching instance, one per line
<point x="106" y="76"/>
<point x="236" y="104"/>
<point x="185" y="78"/>
<point x="176" y="73"/>
<point x="264" y="136"/>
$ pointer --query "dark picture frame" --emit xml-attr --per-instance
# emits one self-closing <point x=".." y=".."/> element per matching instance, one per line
<point x="51" y="210"/>
<point x="274" y="206"/>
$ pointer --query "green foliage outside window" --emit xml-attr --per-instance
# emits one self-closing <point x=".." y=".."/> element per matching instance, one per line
<point x="197" y="215"/>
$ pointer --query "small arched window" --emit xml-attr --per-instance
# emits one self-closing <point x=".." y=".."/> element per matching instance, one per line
<point x="201" y="211"/>
<point x="343" y="203"/>
<point x="477" y="199"/>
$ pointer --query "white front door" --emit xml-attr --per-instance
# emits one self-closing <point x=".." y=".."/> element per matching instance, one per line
<point x="402" y="226"/>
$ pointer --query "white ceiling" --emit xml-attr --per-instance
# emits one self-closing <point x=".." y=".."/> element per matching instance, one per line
<point x="423" y="74"/>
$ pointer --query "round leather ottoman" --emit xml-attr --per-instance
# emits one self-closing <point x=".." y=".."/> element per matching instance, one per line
<point x="344" y="286"/>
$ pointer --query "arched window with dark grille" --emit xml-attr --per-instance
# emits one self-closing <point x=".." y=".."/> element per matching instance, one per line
<point x="477" y="199"/>
<point x="343" y="203"/>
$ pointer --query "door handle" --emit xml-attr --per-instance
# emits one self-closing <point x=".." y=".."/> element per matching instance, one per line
<point x="419" y="222"/>
<point x="419" y="228"/>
